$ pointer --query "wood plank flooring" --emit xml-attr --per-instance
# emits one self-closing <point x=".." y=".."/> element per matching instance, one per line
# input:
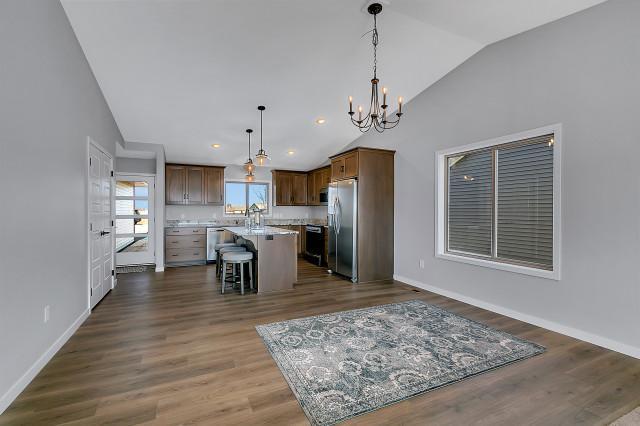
<point x="168" y="348"/>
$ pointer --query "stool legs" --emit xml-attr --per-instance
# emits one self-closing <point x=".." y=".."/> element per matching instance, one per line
<point x="241" y="266"/>
<point x="224" y="276"/>
<point x="251" y="273"/>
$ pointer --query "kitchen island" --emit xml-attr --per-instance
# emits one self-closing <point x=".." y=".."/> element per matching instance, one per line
<point x="275" y="255"/>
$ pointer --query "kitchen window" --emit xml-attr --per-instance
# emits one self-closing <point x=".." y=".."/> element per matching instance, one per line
<point x="239" y="196"/>
<point x="499" y="202"/>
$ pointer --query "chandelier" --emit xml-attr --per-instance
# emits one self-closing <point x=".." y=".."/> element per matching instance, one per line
<point x="261" y="156"/>
<point x="377" y="115"/>
<point x="249" y="167"/>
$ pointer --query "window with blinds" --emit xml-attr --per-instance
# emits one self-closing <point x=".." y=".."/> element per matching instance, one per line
<point x="499" y="202"/>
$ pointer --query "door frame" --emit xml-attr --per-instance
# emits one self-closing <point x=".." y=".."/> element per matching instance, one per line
<point x="96" y="145"/>
<point x="152" y="207"/>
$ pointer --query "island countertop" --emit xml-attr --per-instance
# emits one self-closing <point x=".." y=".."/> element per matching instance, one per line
<point x="267" y="230"/>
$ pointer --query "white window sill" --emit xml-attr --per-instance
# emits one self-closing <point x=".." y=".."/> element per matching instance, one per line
<point x="518" y="269"/>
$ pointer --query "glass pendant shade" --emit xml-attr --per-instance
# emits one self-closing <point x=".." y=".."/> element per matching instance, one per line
<point x="250" y="177"/>
<point x="261" y="157"/>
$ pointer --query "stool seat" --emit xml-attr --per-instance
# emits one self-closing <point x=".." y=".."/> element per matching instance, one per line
<point x="221" y="245"/>
<point x="237" y="256"/>
<point x="230" y="249"/>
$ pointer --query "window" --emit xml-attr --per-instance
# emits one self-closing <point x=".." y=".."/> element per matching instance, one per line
<point x="239" y="196"/>
<point x="498" y="206"/>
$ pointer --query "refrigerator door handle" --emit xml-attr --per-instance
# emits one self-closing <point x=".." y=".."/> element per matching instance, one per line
<point x="339" y="214"/>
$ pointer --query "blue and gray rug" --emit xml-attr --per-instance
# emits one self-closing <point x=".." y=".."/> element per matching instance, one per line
<point x="348" y="363"/>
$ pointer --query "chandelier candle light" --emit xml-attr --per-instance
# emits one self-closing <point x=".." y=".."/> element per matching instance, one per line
<point x="249" y="166"/>
<point x="261" y="156"/>
<point x="377" y="115"/>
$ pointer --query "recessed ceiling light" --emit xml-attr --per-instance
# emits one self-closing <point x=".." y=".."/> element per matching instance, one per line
<point x="291" y="152"/>
<point x="215" y="145"/>
<point x="321" y="121"/>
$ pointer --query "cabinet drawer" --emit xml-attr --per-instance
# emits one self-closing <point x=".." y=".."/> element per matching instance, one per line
<point x="186" y="231"/>
<point x="185" y="241"/>
<point x="186" y="255"/>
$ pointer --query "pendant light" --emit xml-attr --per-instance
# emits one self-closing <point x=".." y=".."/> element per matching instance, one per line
<point x="261" y="156"/>
<point x="249" y="167"/>
<point x="376" y="117"/>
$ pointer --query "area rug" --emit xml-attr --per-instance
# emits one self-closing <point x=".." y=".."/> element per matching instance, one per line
<point x="348" y="363"/>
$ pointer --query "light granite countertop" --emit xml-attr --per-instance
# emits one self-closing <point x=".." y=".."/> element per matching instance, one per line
<point x="205" y="223"/>
<point x="267" y="230"/>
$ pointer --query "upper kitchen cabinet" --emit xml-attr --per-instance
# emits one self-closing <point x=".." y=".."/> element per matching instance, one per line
<point x="345" y="165"/>
<point x="194" y="185"/>
<point x="289" y="188"/>
<point x="317" y="180"/>
<point x="214" y="186"/>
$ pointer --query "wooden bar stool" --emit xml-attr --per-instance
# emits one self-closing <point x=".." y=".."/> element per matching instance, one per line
<point x="240" y="259"/>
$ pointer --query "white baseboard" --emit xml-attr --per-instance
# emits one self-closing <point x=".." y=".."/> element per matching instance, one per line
<point x="159" y="268"/>
<point x="540" y="322"/>
<point x="31" y="373"/>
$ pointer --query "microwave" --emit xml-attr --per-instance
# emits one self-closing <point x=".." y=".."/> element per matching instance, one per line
<point x="324" y="196"/>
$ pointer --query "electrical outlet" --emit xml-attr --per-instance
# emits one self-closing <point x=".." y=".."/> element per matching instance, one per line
<point x="47" y="313"/>
<point x="421" y="263"/>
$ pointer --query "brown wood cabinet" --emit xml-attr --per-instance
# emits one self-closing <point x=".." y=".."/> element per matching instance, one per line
<point x="317" y="180"/>
<point x="344" y="166"/>
<point x="185" y="246"/>
<point x="194" y="185"/>
<point x="289" y="188"/>
<point x="374" y="169"/>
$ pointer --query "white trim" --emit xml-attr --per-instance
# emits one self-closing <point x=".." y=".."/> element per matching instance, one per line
<point x="440" y="203"/>
<point x="134" y="174"/>
<point x="595" y="339"/>
<point x="33" y="371"/>
<point x="159" y="268"/>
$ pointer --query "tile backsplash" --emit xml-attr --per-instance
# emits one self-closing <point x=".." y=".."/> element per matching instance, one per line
<point x="217" y="212"/>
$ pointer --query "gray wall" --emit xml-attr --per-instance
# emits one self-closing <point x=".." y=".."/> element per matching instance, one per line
<point x="49" y="104"/>
<point x="584" y="72"/>
<point x="136" y="165"/>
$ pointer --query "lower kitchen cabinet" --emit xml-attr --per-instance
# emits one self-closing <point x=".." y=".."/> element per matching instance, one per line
<point x="185" y="246"/>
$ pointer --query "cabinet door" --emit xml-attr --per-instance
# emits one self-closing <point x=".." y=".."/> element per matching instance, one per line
<point x="325" y="178"/>
<point x="175" y="182"/>
<point x="337" y="168"/>
<point x="214" y="186"/>
<point x="312" y="196"/>
<point x="351" y="165"/>
<point x="282" y="190"/>
<point x="299" y="189"/>
<point x="195" y="185"/>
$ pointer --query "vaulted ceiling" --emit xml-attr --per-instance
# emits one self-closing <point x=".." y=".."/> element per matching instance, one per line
<point x="191" y="73"/>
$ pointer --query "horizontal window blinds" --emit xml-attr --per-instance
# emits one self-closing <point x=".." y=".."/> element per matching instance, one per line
<point x="471" y="203"/>
<point x="525" y="202"/>
<point x="500" y="202"/>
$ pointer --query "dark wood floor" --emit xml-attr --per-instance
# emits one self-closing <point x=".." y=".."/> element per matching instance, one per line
<point x="168" y="348"/>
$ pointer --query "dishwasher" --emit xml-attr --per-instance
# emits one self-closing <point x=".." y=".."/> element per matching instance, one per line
<point x="214" y="236"/>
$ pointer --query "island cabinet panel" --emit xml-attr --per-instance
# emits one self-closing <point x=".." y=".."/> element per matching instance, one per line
<point x="214" y="186"/>
<point x="194" y="185"/>
<point x="289" y="188"/>
<point x="344" y="166"/>
<point x="176" y="180"/>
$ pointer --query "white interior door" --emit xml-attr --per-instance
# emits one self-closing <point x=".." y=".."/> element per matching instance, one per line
<point x="100" y="225"/>
<point x="135" y="219"/>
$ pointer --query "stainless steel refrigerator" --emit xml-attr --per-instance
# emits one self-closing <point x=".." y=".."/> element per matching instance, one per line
<point x="342" y="211"/>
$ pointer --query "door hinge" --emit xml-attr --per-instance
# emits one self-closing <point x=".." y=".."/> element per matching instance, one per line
<point x="91" y="227"/>
<point x="111" y="223"/>
<point x="111" y="173"/>
<point x="90" y="291"/>
<point x="113" y="273"/>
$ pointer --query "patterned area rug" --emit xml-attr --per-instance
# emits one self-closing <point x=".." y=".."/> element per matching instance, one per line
<point x="348" y="363"/>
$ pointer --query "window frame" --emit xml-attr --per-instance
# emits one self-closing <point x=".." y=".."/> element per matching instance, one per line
<point x="267" y="184"/>
<point x="441" y="178"/>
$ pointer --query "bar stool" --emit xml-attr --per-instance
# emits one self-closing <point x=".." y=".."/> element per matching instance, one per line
<point x="238" y="258"/>
<point x="222" y="248"/>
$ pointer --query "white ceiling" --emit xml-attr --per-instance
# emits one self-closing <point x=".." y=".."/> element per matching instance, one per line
<point x="191" y="73"/>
